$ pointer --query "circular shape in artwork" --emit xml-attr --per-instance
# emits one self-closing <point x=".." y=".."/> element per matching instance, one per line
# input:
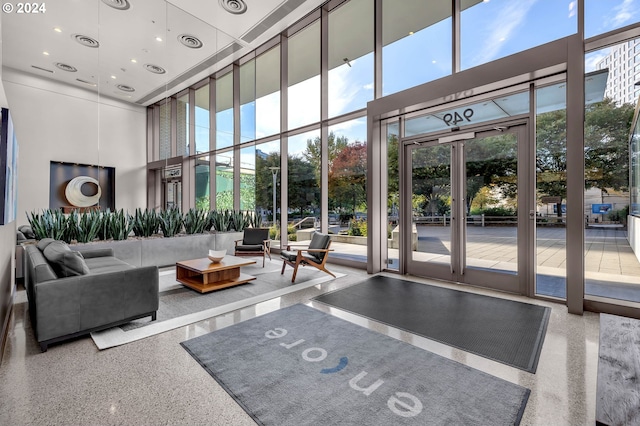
<point x="74" y="194"/>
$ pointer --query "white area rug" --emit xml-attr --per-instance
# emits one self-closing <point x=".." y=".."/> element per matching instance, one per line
<point x="180" y="306"/>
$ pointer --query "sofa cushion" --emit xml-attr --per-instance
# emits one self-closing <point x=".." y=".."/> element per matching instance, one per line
<point x="43" y="243"/>
<point x="63" y="260"/>
<point x="101" y="265"/>
<point x="27" y="231"/>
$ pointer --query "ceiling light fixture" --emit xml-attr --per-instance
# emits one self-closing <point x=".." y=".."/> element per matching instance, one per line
<point x="154" y="69"/>
<point x="58" y="30"/>
<point x="86" y="40"/>
<point x="134" y="60"/>
<point x="158" y="38"/>
<point x="125" y="88"/>
<point x="45" y="53"/>
<point x="113" y="77"/>
<point x="65" y="67"/>
<point x="42" y="69"/>
<point x="88" y="83"/>
<point x="237" y="7"/>
<point x="190" y="41"/>
<point x="117" y="4"/>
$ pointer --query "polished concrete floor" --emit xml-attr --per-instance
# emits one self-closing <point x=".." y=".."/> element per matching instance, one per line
<point x="155" y="382"/>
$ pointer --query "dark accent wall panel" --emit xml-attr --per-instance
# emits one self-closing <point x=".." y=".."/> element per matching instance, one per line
<point x="62" y="173"/>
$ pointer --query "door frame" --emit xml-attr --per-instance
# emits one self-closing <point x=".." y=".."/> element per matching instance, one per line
<point x="522" y="281"/>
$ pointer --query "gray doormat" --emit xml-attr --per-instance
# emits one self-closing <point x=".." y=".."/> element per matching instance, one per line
<point x="617" y="398"/>
<point x="299" y="366"/>
<point x="502" y="330"/>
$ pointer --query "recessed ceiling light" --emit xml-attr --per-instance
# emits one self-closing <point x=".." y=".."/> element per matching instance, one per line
<point x="134" y="61"/>
<point x="88" y="83"/>
<point x="113" y="77"/>
<point x="237" y="7"/>
<point x="190" y="41"/>
<point x="154" y="69"/>
<point x="86" y="40"/>
<point x="158" y="38"/>
<point x="65" y="67"/>
<point x="117" y="4"/>
<point x="45" y="53"/>
<point x="125" y="88"/>
<point x="58" y="30"/>
<point x="410" y="32"/>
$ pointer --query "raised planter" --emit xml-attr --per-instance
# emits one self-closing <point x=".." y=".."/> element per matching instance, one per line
<point x="349" y="239"/>
<point x="160" y="251"/>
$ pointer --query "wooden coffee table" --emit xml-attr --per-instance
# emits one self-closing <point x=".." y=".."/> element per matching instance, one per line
<point x="203" y="275"/>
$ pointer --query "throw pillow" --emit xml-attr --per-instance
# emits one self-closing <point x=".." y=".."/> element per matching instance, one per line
<point x="27" y="231"/>
<point x="43" y="243"/>
<point x="64" y="261"/>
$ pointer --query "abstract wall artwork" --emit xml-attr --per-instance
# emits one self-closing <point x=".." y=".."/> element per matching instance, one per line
<point x="81" y="186"/>
<point x="8" y="169"/>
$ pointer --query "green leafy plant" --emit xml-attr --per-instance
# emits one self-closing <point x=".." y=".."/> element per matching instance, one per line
<point x="170" y="222"/>
<point x="144" y="223"/>
<point x="255" y="219"/>
<point x="117" y="225"/>
<point x="195" y="221"/>
<point x="239" y="221"/>
<point x="88" y="226"/>
<point x="357" y="228"/>
<point x="49" y="224"/>
<point x="220" y="220"/>
<point x="71" y="227"/>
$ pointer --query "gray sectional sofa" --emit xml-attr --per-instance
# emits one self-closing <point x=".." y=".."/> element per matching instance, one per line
<point x="72" y="293"/>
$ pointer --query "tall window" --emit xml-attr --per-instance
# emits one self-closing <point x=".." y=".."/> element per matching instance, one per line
<point x="267" y="167"/>
<point x="603" y="16"/>
<point x="248" y="101"/>
<point x="348" y="186"/>
<point x="267" y="108"/>
<point x="350" y="64"/>
<point x="224" y="111"/>
<point x="165" y="129"/>
<point x="304" y="76"/>
<point x="183" y="125"/>
<point x="202" y="183"/>
<point x="202" y="119"/>
<point x="248" y="178"/>
<point x="498" y="28"/>
<point x="224" y="181"/>
<point x="304" y="161"/>
<point x="416" y="40"/>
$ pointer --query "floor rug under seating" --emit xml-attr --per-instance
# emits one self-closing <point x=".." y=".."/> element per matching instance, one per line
<point x="299" y="366"/>
<point x="180" y="306"/>
<point x="503" y="330"/>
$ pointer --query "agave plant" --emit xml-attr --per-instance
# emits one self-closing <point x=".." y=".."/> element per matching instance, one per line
<point x="49" y="224"/>
<point x="220" y="220"/>
<point x="255" y="219"/>
<point x="118" y="226"/>
<point x="144" y="224"/>
<point x="170" y="222"/>
<point x="71" y="227"/>
<point x="88" y="226"/>
<point x="195" y="221"/>
<point x="238" y="221"/>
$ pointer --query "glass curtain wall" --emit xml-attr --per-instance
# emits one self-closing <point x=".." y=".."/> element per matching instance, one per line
<point x="165" y="129"/>
<point x="248" y="101"/>
<point x="202" y="119"/>
<point x="224" y="111"/>
<point x="350" y="63"/>
<point x="612" y="269"/>
<point x="551" y="191"/>
<point x="490" y="30"/>
<point x="304" y="76"/>
<point x="248" y="178"/>
<point x="303" y="174"/>
<point x="348" y="189"/>
<point x="267" y="105"/>
<point x="417" y="43"/>
<point x="224" y="180"/>
<point x="182" y="125"/>
<point x="202" y="183"/>
<point x="393" y="197"/>
<point x="604" y="16"/>
<point x="267" y="192"/>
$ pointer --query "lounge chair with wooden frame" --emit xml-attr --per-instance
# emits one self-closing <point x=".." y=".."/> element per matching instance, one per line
<point x="254" y="243"/>
<point x="315" y="255"/>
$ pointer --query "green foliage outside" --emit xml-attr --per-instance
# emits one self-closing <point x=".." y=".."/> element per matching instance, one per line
<point x="357" y="228"/>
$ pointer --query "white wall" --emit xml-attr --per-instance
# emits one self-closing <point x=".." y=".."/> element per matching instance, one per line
<point x="58" y="122"/>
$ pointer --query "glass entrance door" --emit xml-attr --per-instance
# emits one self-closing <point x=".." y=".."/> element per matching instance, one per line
<point x="466" y="221"/>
